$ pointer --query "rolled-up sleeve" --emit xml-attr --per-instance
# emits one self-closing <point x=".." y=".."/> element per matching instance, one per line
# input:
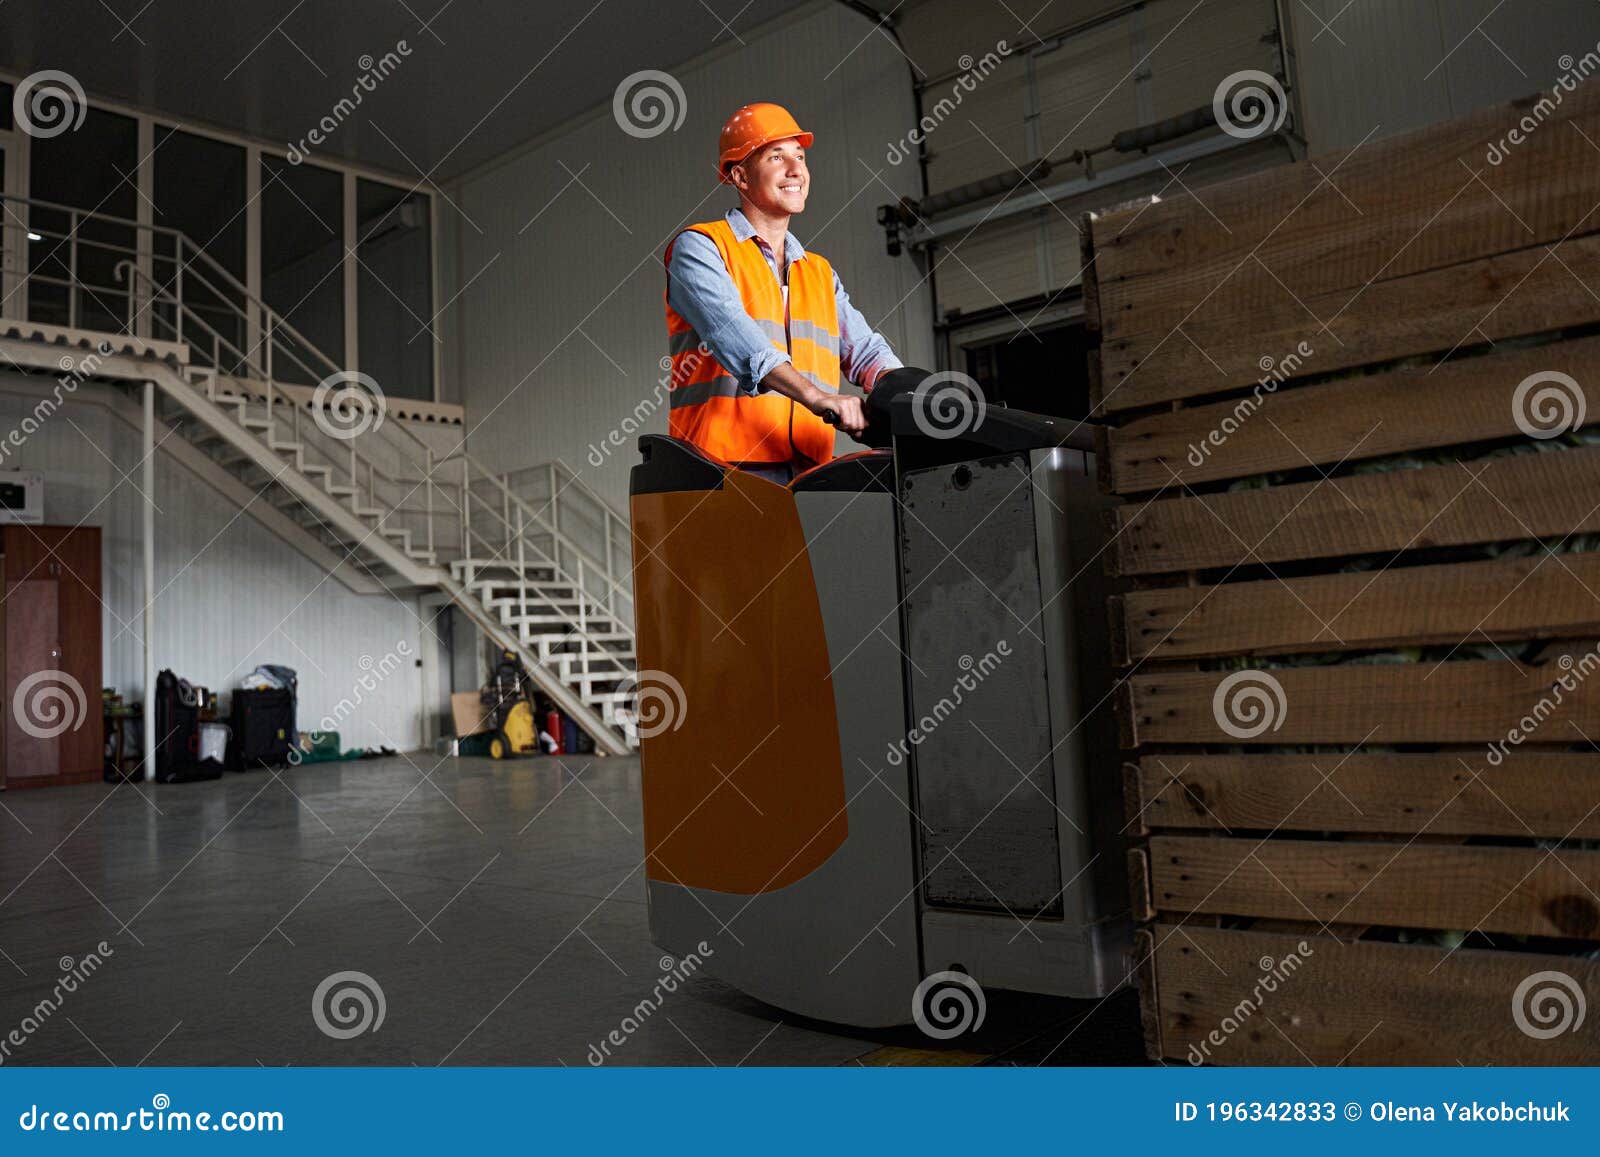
<point x="700" y="288"/>
<point x="863" y="352"/>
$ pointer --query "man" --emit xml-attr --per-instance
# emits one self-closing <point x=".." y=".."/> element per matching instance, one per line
<point x="760" y="331"/>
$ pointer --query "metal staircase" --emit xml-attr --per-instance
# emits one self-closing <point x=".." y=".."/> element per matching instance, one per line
<point x="542" y="574"/>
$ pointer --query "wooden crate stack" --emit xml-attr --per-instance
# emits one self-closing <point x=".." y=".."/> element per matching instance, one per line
<point x="1345" y="586"/>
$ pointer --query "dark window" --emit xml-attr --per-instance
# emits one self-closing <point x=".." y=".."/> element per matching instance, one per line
<point x="1045" y="371"/>
<point x="395" y="289"/>
<point x="199" y="192"/>
<point x="302" y="265"/>
<point x="89" y="168"/>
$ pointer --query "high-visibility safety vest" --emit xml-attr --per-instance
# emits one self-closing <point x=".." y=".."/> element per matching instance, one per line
<point x="732" y="418"/>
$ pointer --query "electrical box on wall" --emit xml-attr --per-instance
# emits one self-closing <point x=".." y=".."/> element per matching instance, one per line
<point x="21" y="496"/>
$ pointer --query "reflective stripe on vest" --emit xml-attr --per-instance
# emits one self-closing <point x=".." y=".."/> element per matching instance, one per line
<point x="735" y="419"/>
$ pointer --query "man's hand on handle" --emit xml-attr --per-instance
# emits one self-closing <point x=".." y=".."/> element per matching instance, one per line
<point x="789" y="382"/>
<point x="848" y="413"/>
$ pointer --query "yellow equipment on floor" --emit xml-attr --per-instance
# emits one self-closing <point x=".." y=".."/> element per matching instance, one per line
<point x="509" y="700"/>
<point x="517" y="734"/>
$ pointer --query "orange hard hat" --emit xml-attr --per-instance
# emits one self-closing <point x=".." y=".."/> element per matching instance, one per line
<point x="752" y="127"/>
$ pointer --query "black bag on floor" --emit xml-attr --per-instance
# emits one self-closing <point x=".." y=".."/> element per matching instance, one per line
<point x="263" y="729"/>
<point x="178" y="734"/>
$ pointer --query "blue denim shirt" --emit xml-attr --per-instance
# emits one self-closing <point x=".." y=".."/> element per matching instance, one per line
<point x="700" y="288"/>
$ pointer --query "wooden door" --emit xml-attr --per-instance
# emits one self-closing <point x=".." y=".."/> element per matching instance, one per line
<point x="33" y="694"/>
<point x="53" y="722"/>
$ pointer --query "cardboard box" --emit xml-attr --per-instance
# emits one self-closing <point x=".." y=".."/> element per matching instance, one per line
<point x="469" y="712"/>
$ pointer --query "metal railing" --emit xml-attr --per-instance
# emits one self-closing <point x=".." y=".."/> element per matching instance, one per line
<point x="169" y="288"/>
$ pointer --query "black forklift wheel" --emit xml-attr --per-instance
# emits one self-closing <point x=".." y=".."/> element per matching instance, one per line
<point x="500" y="746"/>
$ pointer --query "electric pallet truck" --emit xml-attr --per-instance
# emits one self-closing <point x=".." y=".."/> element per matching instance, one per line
<point x="894" y="760"/>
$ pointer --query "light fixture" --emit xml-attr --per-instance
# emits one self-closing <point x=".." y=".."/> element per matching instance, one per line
<point x="32" y="236"/>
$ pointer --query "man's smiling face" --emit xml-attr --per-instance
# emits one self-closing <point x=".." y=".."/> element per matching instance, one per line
<point x="775" y="177"/>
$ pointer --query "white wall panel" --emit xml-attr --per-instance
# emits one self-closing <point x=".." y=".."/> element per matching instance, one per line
<point x="1393" y="67"/>
<point x="231" y="595"/>
<point x="559" y="338"/>
<point x="1135" y="67"/>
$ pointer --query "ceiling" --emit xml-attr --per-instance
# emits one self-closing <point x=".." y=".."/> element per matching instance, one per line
<point x="475" y="77"/>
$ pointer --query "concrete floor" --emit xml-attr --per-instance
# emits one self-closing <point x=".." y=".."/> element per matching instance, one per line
<point x="499" y="906"/>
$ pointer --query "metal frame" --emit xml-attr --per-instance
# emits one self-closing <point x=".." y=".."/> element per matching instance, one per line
<point x="16" y="185"/>
<point x="13" y="181"/>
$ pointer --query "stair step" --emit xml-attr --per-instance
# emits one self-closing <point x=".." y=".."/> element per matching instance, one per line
<point x="285" y="448"/>
<point x="592" y="636"/>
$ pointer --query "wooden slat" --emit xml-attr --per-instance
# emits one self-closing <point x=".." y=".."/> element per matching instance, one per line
<point x="1464" y="400"/>
<point x="1447" y="265"/>
<point x="1553" y="795"/>
<point x="1316" y="235"/>
<point x="1360" y="1004"/>
<point x="1523" y="292"/>
<point x="1527" y="496"/>
<point x="1520" y="891"/>
<point x="1542" y="597"/>
<point x="1454" y="702"/>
